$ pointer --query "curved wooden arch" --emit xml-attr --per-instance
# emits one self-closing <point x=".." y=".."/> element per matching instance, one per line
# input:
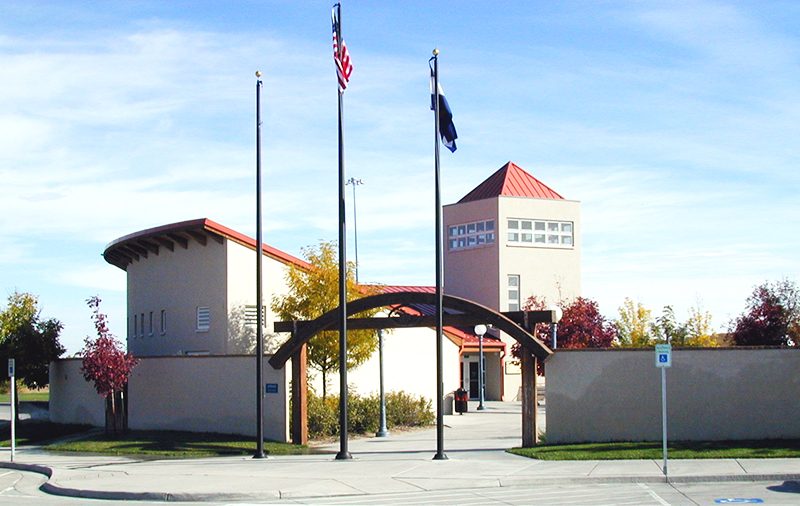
<point x="304" y="331"/>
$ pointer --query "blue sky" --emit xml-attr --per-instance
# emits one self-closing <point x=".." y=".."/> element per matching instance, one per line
<point x="676" y="124"/>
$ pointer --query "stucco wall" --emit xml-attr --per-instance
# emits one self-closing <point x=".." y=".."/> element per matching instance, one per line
<point x="72" y="398"/>
<point x="712" y="394"/>
<point x="198" y="394"/>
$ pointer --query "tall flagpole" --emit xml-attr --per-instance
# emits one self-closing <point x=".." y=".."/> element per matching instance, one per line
<point x="343" y="454"/>
<point x="259" y="303"/>
<point x="439" y="260"/>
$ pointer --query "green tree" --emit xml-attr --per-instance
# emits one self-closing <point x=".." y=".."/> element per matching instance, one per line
<point x="635" y="326"/>
<point x="28" y="338"/>
<point x="314" y="292"/>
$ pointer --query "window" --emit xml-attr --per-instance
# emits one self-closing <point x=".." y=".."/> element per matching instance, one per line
<point x="513" y="292"/>
<point x="141" y="325"/>
<point x="540" y="233"/>
<point x="203" y="319"/>
<point x="135" y="325"/>
<point x="163" y="322"/>
<point x="470" y="235"/>
<point x="150" y="333"/>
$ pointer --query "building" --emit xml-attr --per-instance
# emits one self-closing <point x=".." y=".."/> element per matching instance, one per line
<point x="508" y="239"/>
<point x="191" y="285"/>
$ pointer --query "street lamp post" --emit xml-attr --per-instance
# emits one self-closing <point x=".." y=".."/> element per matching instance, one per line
<point x="557" y="313"/>
<point x="383" y="431"/>
<point x="355" y="182"/>
<point x="480" y="330"/>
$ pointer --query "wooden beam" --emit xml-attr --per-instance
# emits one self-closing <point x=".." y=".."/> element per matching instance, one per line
<point x="299" y="414"/>
<point x="216" y="237"/>
<point x="199" y="237"/>
<point x="165" y="242"/>
<point x="530" y="412"/>
<point x="149" y="246"/>
<point x="182" y="242"/>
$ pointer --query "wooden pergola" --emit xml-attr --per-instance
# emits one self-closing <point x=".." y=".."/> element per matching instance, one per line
<point x="517" y="324"/>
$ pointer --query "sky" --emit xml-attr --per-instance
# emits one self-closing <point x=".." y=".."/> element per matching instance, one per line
<point x="675" y="124"/>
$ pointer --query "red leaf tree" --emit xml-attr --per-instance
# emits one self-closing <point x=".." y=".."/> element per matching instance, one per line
<point x="108" y="365"/>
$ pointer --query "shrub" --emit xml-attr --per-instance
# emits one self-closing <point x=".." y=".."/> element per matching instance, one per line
<point x="402" y="409"/>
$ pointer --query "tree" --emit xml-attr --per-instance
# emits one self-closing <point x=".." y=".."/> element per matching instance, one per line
<point x="635" y="326"/>
<point x="771" y="317"/>
<point x="581" y="326"/>
<point x="29" y="339"/>
<point x="107" y="365"/>
<point x="314" y="292"/>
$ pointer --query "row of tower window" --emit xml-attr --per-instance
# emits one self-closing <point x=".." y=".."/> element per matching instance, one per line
<point x="523" y="232"/>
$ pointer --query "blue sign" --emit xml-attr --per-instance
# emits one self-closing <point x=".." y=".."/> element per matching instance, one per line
<point x="738" y="501"/>
<point x="663" y="355"/>
<point x="271" y="388"/>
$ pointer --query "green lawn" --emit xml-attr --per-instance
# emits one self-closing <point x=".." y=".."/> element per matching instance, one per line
<point x="27" y="396"/>
<point x="753" y="449"/>
<point x="174" y="444"/>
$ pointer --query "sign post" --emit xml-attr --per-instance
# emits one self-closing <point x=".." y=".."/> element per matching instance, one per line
<point x="664" y="360"/>
<point x="12" y="384"/>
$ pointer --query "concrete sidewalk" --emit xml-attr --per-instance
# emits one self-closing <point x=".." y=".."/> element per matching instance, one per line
<point x="474" y="443"/>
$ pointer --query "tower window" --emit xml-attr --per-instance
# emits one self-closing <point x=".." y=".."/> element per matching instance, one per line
<point x="470" y="235"/>
<point x="540" y="233"/>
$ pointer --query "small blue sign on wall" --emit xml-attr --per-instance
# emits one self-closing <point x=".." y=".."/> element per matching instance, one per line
<point x="271" y="388"/>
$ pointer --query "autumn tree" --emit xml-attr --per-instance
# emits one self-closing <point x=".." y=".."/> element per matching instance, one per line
<point x="312" y="293"/>
<point x="635" y="325"/>
<point x="108" y="365"/>
<point x="29" y="339"/>
<point x="771" y="317"/>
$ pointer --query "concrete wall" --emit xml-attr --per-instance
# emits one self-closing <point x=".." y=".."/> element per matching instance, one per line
<point x="409" y="357"/>
<point x="192" y="393"/>
<point x="72" y="398"/>
<point x="712" y="394"/>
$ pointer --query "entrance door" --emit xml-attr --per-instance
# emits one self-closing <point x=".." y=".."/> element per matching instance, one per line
<point x="474" y="383"/>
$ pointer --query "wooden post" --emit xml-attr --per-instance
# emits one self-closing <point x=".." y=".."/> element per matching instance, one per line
<point x="530" y="412"/>
<point x="299" y="414"/>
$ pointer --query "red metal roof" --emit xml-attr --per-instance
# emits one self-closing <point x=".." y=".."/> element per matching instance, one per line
<point x="511" y="181"/>
<point x="124" y="250"/>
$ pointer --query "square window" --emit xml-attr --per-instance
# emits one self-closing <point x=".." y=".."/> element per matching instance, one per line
<point x="552" y="239"/>
<point x="480" y="226"/>
<point x="552" y="227"/>
<point x="462" y="242"/>
<point x="471" y="240"/>
<point x="566" y="227"/>
<point x="453" y="244"/>
<point x="513" y="295"/>
<point x="539" y="225"/>
<point x="566" y="239"/>
<point x="462" y="230"/>
<point x="527" y="237"/>
<point x="526" y="225"/>
<point x="489" y="238"/>
<point x="539" y="238"/>
<point x="513" y="224"/>
<point x="513" y="237"/>
<point x="513" y="306"/>
<point x="481" y="239"/>
<point x="471" y="228"/>
<point x="453" y="231"/>
<point x="513" y="280"/>
<point x="490" y="225"/>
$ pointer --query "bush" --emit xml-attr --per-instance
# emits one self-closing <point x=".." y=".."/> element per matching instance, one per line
<point x="402" y="409"/>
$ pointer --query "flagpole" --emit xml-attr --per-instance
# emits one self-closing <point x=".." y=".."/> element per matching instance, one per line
<point x="439" y="260"/>
<point x="259" y="303"/>
<point x="343" y="454"/>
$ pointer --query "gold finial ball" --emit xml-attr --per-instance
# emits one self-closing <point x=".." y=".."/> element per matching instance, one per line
<point x="436" y="52"/>
<point x="258" y="73"/>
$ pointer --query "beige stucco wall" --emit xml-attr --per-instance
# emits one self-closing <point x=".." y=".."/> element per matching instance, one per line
<point x="550" y="272"/>
<point x="72" y="398"/>
<point x="409" y="365"/>
<point x="712" y="394"/>
<point x="179" y="281"/>
<point x="198" y="394"/>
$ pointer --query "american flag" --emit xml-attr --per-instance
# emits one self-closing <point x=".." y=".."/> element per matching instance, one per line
<point x="344" y="66"/>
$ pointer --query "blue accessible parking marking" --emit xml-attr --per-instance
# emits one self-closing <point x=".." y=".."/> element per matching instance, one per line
<point x="738" y="501"/>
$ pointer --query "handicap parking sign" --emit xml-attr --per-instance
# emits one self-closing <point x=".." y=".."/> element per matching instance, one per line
<point x="663" y="355"/>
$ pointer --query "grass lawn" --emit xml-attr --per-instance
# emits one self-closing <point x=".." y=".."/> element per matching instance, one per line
<point x="174" y="444"/>
<point x="27" y="396"/>
<point x="752" y="449"/>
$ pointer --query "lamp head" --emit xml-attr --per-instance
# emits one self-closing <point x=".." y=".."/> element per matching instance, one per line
<point x="558" y="313"/>
<point x="480" y="330"/>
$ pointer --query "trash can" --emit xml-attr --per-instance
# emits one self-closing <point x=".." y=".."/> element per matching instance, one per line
<point x="461" y="398"/>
